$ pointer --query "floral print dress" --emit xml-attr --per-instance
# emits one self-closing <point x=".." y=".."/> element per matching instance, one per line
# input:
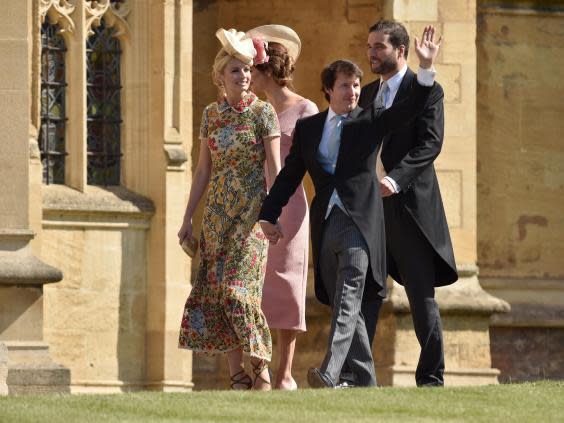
<point x="223" y="311"/>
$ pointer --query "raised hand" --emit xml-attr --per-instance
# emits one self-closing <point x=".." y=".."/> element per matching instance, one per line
<point x="426" y="48"/>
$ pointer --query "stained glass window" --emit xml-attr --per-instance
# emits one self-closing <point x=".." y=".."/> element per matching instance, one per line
<point x="103" y="107"/>
<point x="53" y="118"/>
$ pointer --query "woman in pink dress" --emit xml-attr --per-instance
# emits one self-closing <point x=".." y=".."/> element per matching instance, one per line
<point x="284" y="291"/>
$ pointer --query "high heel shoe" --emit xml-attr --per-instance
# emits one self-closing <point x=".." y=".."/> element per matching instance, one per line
<point x="258" y="369"/>
<point x="242" y="379"/>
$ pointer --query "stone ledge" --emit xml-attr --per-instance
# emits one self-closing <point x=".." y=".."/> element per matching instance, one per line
<point x="170" y="386"/>
<point x="30" y="369"/>
<point x="404" y="376"/>
<point x="118" y="386"/>
<point x="38" y="374"/>
<point x="521" y="284"/>
<point x="463" y="297"/>
<point x="535" y="303"/>
<point x="530" y="316"/>
<point x="61" y="198"/>
<point x="26" y="269"/>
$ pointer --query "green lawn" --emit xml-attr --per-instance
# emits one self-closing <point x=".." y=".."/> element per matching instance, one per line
<point x="531" y="402"/>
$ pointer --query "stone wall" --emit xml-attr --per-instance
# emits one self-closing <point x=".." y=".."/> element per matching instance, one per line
<point x="521" y="182"/>
<point x="114" y="319"/>
<point x="95" y="318"/>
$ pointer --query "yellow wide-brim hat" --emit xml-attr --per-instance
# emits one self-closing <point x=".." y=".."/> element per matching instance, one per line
<point x="279" y="34"/>
<point x="236" y="45"/>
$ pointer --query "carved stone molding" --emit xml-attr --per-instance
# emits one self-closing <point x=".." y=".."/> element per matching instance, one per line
<point x="18" y="264"/>
<point x="116" y="18"/>
<point x="114" y="14"/>
<point x="94" y="12"/>
<point x="175" y="157"/>
<point x="59" y="12"/>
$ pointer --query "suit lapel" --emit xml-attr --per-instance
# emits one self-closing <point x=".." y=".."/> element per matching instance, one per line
<point x="403" y="92"/>
<point x="404" y="88"/>
<point x="353" y="115"/>
<point x="315" y="133"/>
<point x="372" y="92"/>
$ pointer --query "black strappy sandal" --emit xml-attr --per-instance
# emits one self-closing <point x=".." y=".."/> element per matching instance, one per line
<point x="258" y="369"/>
<point x="243" y="379"/>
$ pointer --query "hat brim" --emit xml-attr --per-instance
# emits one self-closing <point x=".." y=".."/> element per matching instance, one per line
<point x="236" y="45"/>
<point x="279" y="34"/>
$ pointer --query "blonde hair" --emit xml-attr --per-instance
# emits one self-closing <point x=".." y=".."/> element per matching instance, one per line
<point x="221" y="60"/>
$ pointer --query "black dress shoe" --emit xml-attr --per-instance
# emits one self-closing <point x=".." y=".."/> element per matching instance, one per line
<point x="317" y="379"/>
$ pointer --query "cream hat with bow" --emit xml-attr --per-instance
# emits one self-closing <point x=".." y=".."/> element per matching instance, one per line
<point x="235" y="45"/>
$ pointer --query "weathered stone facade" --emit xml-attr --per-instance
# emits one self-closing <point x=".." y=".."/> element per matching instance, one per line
<point x="112" y="321"/>
<point x="521" y="183"/>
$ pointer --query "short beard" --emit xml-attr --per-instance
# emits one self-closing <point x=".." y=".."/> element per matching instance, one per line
<point x="386" y="67"/>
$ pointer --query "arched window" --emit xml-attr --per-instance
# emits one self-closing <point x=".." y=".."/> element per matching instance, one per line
<point x="103" y="55"/>
<point x="53" y="117"/>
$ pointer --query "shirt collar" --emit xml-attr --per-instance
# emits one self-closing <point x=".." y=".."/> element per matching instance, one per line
<point x="331" y="114"/>
<point x="395" y="81"/>
<point x="242" y="106"/>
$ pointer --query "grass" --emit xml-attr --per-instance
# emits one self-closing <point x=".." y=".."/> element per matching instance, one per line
<point x="543" y="401"/>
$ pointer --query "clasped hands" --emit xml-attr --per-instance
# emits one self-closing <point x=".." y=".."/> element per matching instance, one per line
<point x="273" y="232"/>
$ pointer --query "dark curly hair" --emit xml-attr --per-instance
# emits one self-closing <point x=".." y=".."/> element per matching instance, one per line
<point x="280" y="65"/>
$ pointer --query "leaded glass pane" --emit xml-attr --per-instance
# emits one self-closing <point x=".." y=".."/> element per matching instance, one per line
<point x="104" y="107"/>
<point x="53" y="118"/>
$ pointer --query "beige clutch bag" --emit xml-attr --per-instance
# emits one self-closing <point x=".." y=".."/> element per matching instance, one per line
<point x="190" y="246"/>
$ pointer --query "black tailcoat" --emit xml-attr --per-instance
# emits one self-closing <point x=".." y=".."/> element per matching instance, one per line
<point x="354" y="178"/>
<point x="407" y="156"/>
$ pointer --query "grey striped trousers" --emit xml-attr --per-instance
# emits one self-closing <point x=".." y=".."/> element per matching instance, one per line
<point x="343" y="262"/>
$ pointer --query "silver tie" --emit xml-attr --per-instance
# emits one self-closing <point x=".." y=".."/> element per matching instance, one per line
<point x="380" y="100"/>
<point x="380" y="103"/>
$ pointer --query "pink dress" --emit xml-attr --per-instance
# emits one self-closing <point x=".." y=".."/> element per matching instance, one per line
<point x="284" y="290"/>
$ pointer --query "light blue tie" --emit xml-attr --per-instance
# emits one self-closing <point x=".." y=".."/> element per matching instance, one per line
<point x="334" y="143"/>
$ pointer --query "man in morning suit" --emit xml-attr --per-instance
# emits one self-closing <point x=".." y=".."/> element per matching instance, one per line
<point x="419" y="249"/>
<point x="338" y="149"/>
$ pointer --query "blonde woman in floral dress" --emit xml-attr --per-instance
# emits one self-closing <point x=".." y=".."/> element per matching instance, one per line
<point x="238" y="135"/>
